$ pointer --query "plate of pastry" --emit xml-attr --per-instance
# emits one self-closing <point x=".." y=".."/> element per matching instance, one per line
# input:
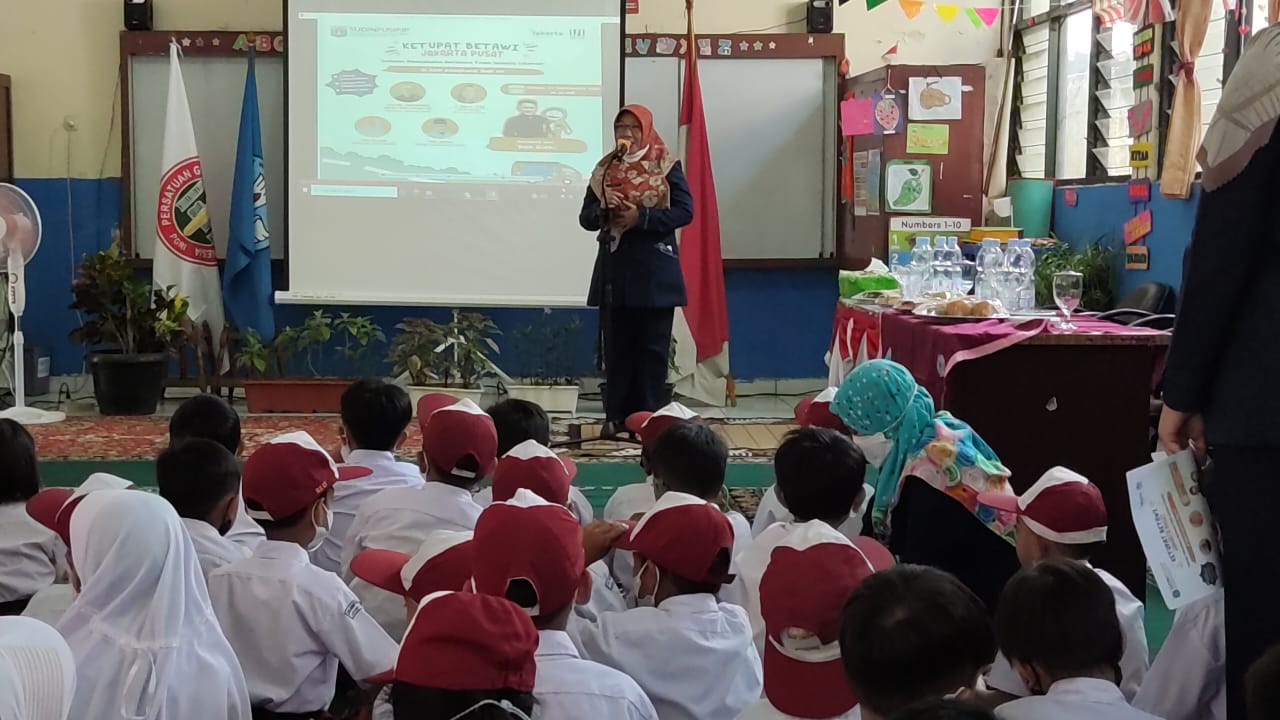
<point x="964" y="309"/>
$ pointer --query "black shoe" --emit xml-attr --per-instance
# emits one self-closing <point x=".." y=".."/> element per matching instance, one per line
<point x="610" y="429"/>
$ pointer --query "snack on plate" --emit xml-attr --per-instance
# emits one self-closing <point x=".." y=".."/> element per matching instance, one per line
<point x="983" y="308"/>
<point x="906" y="306"/>
<point x="957" y="308"/>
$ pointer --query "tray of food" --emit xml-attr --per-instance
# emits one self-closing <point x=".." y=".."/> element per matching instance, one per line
<point x="963" y="309"/>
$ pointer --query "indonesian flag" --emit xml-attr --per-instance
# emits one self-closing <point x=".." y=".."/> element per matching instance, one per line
<point x="185" y="257"/>
<point x="701" y="330"/>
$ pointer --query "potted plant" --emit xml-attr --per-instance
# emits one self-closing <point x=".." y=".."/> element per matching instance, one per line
<point x="352" y="336"/>
<point x="133" y="328"/>
<point x="1096" y="262"/>
<point x="451" y="358"/>
<point x="551" y="383"/>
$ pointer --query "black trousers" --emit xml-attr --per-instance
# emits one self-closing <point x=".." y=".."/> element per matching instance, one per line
<point x="1244" y="496"/>
<point x="637" y="344"/>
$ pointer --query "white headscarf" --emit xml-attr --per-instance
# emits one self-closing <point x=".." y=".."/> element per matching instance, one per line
<point x="1247" y="112"/>
<point x="37" y="672"/>
<point x="146" y="642"/>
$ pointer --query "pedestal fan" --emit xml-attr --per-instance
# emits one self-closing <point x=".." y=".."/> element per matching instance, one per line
<point x="19" y="240"/>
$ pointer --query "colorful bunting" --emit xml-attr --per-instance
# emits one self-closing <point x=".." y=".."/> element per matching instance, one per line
<point x="873" y="4"/>
<point x="946" y="12"/>
<point x="989" y="15"/>
<point x="911" y="8"/>
<point x="973" y="17"/>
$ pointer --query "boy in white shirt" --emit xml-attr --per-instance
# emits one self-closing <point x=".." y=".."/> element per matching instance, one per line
<point x="692" y="655"/>
<point x="30" y="554"/>
<point x="806" y="582"/>
<point x="531" y="552"/>
<point x="375" y="414"/>
<point x="911" y="634"/>
<point x="459" y="449"/>
<point x="290" y="622"/>
<point x="1058" y="627"/>
<point x="1188" y="679"/>
<point x="819" y="476"/>
<point x="631" y="501"/>
<point x="1063" y="516"/>
<point x="201" y="480"/>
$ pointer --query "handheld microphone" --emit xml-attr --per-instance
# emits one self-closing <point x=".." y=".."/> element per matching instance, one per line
<point x="624" y="147"/>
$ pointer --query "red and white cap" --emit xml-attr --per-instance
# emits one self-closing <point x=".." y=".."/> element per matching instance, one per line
<point x="816" y="412"/>
<point x="685" y="535"/>
<point x="1063" y="506"/>
<point x="802" y="593"/>
<point x="649" y="425"/>
<point x="527" y="538"/>
<point x="467" y="641"/>
<point x="533" y="466"/>
<point x="52" y="507"/>
<point x="287" y="474"/>
<point x="442" y="563"/>
<point x="453" y="430"/>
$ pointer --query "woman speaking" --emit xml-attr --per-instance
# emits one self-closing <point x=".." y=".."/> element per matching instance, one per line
<point x="636" y="201"/>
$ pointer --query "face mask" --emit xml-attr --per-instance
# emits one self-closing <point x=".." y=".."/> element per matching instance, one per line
<point x="322" y="531"/>
<point x="875" y="448"/>
<point x="505" y="705"/>
<point x="345" y="453"/>
<point x="650" y="600"/>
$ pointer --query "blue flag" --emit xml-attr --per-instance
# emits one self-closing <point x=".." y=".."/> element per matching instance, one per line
<point x="246" y="281"/>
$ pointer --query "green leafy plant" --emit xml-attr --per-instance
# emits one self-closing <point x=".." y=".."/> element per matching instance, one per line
<point x="256" y="355"/>
<point x="1097" y="262"/>
<point x="452" y="354"/>
<point x="358" y="335"/>
<point x="124" y="312"/>
<point x="550" y="344"/>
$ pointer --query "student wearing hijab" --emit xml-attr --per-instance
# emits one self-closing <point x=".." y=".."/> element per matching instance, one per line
<point x="1217" y="391"/>
<point x="29" y="553"/>
<point x="929" y="469"/>
<point x="144" y="637"/>
<point x="37" y="671"/>
<point x="637" y="199"/>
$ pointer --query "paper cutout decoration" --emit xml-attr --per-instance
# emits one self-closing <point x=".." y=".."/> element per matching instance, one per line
<point x="1144" y="42"/>
<point x="1140" y="155"/>
<point x="891" y="51"/>
<point x="988" y="15"/>
<point x="1137" y="258"/>
<point x="1143" y="76"/>
<point x="911" y="8"/>
<point x="633" y="7"/>
<point x="873" y="4"/>
<point x="1140" y="119"/>
<point x="908" y="186"/>
<point x="857" y="116"/>
<point x="934" y="98"/>
<point x="973" y="17"/>
<point x="1071" y="197"/>
<point x="946" y="12"/>
<point x="1138" y="227"/>
<point x="1139" y="191"/>
<point x="888" y="112"/>
<point x="928" y="139"/>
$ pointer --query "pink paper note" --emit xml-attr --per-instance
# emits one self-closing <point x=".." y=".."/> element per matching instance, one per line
<point x="857" y="116"/>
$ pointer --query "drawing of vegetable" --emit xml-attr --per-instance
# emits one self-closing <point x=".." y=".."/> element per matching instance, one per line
<point x="911" y="189"/>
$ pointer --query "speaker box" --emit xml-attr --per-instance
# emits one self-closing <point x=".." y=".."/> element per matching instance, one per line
<point x="821" y="18"/>
<point x="137" y="15"/>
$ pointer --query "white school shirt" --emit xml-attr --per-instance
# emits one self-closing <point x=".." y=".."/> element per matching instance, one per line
<point x="568" y="687"/>
<point x="212" y="550"/>
<point x="1187" y="681"/>
<point x="764" y="710"/>
<point x="29" y="553"/>
<point x="348" y="496"/>
<point x="245" y="531"/>
<point x="1133" y="664"/>
<point x="579" y="505"/>
<point x="290" y="624"/>
<point x="50" y="604"/>
<point x="400" y="519"/>
<point x="771" y="510"/>
<point x="692" y="655"/>
<point x="1074" y="699"/>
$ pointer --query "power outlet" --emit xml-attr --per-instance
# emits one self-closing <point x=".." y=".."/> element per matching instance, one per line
<point x="69" y="124"/>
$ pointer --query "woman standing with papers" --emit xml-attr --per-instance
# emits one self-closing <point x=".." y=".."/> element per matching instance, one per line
<point x="1220" y="390"/>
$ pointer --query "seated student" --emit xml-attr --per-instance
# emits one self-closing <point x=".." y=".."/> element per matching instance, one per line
<point x="466" y="656"/>
<point x="910" y="634"/>
<point x="30" y="554"/>
<point x="531" y="552"/>
<point x="630" y="501"/>
<point x="1188" y="680"/>
<point x="518" y="421"/>
<point x="37" y="671"/>
<point x="814" y="412"/>
<point x="806" y="582"/>
<point x="1058" y="627"/>
<point x="1262" y="686"/>
<point x="819" y="475"/>
<point x="1063" y="516"/>
<point x="209" y="417"/>
<point x="145" y="640"/>
<point x="201" y="480"/>
<point x="945" y="710"/>
<point x="290" y="622"/>
<point x="691" y="654"/>
<point x="375" y="414"/>
<point x="459" y="449"/>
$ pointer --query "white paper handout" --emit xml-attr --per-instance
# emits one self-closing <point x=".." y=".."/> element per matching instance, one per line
<point x="935" y="98"/>
<point x="1176" y="530"/>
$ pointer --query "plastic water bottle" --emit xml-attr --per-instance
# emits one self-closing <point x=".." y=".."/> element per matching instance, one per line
<point x="920" y="268"/>
<point x="952" y="259"/>
<point x="990" y="260"/>
<point x="1020" y="261"/>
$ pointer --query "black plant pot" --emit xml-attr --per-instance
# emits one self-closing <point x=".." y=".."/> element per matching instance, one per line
<point x="128" y="384"/>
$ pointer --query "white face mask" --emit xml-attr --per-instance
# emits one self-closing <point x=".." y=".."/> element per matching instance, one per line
<point x="322" y="531"/>
<point x="650" y="600"/>
<point x="875" y="448"/>
<point x="345" y="452"/>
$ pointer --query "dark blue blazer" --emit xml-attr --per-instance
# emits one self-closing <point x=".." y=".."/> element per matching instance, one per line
<point x="644" y="272"/>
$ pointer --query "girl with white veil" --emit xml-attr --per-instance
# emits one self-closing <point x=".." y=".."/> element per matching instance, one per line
<point x="146" y="643"/>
